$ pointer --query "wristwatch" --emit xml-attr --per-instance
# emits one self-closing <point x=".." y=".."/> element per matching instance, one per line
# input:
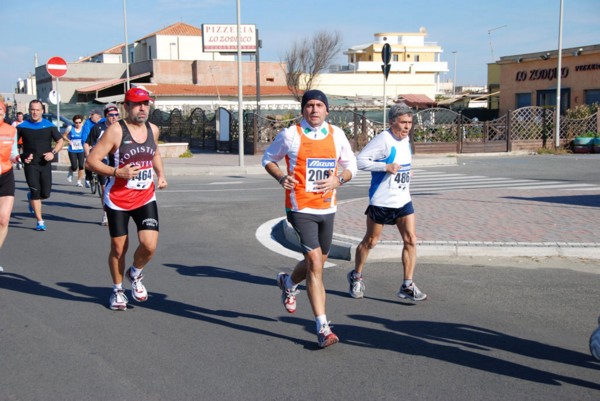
<point x="53" y="151"/>
<point x="342" y="181"/>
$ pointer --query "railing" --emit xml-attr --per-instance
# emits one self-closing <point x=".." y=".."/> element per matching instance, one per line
<point x="434" y="130"/>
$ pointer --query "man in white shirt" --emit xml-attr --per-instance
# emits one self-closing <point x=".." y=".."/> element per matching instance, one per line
<point x="388" y="157"/>
<point x="313" y="151"/>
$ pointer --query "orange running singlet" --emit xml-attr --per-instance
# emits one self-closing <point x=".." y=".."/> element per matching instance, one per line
<point x="316" y="160"/>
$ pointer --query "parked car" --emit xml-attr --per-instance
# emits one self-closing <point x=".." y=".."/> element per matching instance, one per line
<point x="64" y="122"/>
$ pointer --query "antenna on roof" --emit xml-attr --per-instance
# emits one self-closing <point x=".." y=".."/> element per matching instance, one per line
<point x="490" y="37"/>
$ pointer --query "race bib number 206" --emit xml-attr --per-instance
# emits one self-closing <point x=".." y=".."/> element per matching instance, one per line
<point x="318" y="169"/>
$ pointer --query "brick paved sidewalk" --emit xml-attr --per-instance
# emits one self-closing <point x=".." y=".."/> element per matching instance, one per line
<point x="493" y="215"/>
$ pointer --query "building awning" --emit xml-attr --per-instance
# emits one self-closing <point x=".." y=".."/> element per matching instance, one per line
<point x="417" y="101"/>
<point x="108" y="84"/>
<point x="484" y="97"/>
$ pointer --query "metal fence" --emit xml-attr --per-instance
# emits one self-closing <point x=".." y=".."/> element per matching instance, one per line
<point x="434" y="130"/>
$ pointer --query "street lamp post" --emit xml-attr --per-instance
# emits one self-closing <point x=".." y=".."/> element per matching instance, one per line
<point x="240" y="95"/>
<point x="454" y="82"/>
<point x="558" y="77"/>
<point x="126" y="46"/>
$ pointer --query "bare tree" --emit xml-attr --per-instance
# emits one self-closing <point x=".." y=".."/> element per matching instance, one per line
<point x="308" y="58"/>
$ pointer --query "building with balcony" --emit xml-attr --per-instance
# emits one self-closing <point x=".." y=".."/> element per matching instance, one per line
<point x="415" y="68"/>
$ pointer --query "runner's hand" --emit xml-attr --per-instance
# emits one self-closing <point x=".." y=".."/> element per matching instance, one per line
<point x="162" y="183"/>
<point x="129" y="171"/>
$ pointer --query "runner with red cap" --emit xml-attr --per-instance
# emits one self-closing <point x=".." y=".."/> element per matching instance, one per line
<point x="134" y="157"/>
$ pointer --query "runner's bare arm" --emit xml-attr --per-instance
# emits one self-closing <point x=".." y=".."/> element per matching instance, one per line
<point x="157" y="161"/>
<point x="109" y="143"/>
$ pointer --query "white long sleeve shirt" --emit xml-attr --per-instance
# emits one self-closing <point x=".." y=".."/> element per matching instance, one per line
<point x="387" y="190"/>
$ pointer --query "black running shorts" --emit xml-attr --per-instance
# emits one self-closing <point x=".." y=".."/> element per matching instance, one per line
<point x="145" y="218"/>
<point x="388" y="215"/>
<point x="7" y="183"/>
<point x="315" y="230"/>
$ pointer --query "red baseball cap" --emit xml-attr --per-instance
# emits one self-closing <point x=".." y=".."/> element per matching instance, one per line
<point x="137" y="95"/>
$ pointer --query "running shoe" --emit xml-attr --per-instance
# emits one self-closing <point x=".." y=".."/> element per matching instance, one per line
<point x="118" y="300"/>
<point x="79" y="184"/>
<point x="40" y="226"/>
<point x="411" y="292"/>
<point x="138" y="291"/>
<point x="326" y="336"/>
<point x="104" y="220"/>
<point x="70" y="176"/>
<point x="29" y="203"/>
<point x="87" y="183"/>
<point x="357" y="287"/>
<point x="288" y="296"/>
<point x="1" y="269"/>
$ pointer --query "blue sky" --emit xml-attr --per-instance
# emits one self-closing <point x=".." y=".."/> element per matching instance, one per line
<point x="74" y="28"/>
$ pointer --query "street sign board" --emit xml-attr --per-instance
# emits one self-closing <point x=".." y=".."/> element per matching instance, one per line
<point x="56" y="66"/>
<point x="386" y="54"/>
<point x="223" y="38"/>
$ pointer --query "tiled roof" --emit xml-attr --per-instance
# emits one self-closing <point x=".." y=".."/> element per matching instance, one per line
<point x="177" y="29"/>
<point x="210" y="90"/>
<point x="118" y="49"/>
<point x="414" y="100"/>
<point x="107" y="84"/>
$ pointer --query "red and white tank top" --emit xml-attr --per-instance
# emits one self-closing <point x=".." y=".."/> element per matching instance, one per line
<point x="130" y="194"/>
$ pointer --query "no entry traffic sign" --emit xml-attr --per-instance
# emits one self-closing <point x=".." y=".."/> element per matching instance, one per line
<point x="57" y="67"/>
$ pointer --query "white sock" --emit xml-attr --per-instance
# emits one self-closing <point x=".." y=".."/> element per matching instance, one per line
<point x="407" y="283"/>
<point x="135" y="271"/>
<point x="321" y="321"/>
<point x="40" y="221"/>
<point x="117" y="286"/>
<point x="289" y="284"/>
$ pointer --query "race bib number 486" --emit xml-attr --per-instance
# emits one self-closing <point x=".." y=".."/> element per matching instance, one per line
<point x="318" y="169"/>
<point x="401" y="181"/>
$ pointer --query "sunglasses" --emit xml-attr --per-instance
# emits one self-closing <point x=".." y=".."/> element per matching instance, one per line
<point x="113" y="114"/>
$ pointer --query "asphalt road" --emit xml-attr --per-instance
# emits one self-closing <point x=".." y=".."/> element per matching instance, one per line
<point x="214" y="328"/>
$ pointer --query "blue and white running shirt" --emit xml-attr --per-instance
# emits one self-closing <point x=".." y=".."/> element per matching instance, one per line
<point x="387" y="190"/>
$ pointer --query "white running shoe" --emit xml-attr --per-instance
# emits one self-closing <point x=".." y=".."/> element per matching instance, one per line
<point x="118" y="300"/>
<point x="104" y="220"/>
<point x="357" y="287"/>
<point x="79" y="184"/>
<point x="411" y="292"/>
<point x="288" y="297"/>
<point x="70" y="176"/>
<point x="138" y="291"/>
<point x="326" y="337"/>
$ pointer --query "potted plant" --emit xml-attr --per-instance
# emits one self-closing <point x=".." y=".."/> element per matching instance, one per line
<point x="596" y="143"/>
<point x="582" y="143"/>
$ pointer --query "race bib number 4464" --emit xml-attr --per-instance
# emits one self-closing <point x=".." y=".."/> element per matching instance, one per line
<point x="318" y="169"/>
<point x="141" y="181"/>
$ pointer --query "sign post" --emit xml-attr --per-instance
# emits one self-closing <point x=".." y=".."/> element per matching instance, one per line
<point x="386" y="56"/>
<point x="57" y="67"/>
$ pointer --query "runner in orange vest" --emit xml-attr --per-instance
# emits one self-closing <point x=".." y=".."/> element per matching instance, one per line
<point x="8" y="155"/>
<point x="314" y="151"/>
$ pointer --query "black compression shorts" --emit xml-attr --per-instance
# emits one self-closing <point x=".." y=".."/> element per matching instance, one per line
<point x="145" y="218"/>
<point x="7" y="183"/>
<point x="315" y="230"/>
